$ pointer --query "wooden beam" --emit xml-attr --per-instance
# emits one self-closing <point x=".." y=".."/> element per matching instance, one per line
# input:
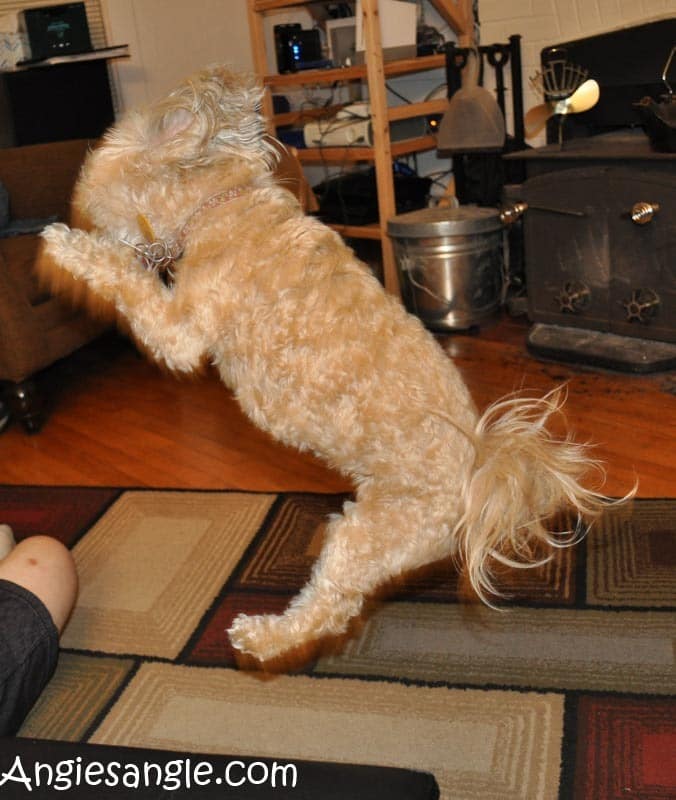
<point x="270" y="5"/>
<point x="422" y="109"/>
<point x="381" y="137"/>
<point x="257" y="35"/>
<point x="460" y="16"/>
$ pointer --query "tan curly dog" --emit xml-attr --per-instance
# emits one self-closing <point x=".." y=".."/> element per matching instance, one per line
<point x="316" y="352"/>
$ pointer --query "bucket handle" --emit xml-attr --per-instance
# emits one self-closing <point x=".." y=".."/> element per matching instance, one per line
<point x="504" y="286"/>
<point x="427" y="290"/>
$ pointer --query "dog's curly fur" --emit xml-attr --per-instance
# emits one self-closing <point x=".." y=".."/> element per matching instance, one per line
<point x="317" y="354"/>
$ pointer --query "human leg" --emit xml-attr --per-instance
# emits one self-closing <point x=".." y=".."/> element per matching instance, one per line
<point x="7" y="543"/>
<point x="38" y="584"/>
<point x="44" y="567"/>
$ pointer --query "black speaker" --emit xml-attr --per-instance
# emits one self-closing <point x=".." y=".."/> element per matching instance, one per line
<point x="283" y="35"/>
<point x="56" y="30"/>
<point x="297" y="48"/>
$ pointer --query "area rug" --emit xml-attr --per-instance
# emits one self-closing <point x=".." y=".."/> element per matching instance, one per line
<point x="568" y="691"/>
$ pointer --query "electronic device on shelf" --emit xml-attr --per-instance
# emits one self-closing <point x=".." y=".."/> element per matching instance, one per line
<point x="352" y="127"/>
<point x="56" y="30"/>
<point x="298" y="48"/>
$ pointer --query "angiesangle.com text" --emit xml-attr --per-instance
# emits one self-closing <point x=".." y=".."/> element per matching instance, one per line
<point x="179" y="773"/>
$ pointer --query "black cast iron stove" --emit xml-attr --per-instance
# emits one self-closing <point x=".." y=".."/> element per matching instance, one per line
<point x="599" y="236"/>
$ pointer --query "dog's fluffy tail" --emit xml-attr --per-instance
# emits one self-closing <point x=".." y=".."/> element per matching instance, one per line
<point x="522" y="476"/>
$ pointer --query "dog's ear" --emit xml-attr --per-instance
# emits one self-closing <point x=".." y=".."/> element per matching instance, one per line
<point x="171" y="125"/>
<point x="211" y="116"/>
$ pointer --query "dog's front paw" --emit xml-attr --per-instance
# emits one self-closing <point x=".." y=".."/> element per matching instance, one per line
<point x="65" y="246"/>
<point x="55" y="236"/>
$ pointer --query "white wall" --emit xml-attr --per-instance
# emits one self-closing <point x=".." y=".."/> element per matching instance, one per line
<point x="545" y="22"/>
<point x="169" y="39"/>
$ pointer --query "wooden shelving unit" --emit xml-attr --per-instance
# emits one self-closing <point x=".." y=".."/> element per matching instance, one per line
<point x="458" y="15"/>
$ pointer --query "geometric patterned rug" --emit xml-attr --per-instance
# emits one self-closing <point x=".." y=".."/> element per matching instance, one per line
<point x="569" y="691"/>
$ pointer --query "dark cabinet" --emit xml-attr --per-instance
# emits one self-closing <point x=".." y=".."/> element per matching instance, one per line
<point x="55" y="103"/>
<point x="63" y="97"/>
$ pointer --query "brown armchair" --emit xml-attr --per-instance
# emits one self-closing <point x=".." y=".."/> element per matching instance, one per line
<point x="36" y="329"/>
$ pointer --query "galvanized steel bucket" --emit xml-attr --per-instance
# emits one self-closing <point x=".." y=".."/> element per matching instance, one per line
<point x="450" y="263"/>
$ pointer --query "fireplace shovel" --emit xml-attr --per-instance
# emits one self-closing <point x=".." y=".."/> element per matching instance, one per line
<point x="473" y="122"/>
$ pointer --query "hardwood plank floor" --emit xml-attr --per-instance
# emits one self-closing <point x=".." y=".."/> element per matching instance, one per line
<point x="118" y="421"/>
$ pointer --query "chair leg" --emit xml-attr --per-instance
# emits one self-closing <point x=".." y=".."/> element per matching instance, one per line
<point x="4" y="414"/>
<point x="26" y="403"/>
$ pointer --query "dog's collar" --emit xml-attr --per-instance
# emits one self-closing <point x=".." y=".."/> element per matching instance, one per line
<point x="160" y="255"/>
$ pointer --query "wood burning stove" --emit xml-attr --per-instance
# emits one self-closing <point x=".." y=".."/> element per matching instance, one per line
<point x="600" y="251"/>
<point x="599" y="245"/>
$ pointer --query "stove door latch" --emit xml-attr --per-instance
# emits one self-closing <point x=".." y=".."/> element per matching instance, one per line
<point x="642" y="305"/>
<point x="574" y="297"/>
<point x="642" y="213"/>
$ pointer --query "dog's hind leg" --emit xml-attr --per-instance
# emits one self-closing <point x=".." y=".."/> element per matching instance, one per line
<point x="373" y="541"/>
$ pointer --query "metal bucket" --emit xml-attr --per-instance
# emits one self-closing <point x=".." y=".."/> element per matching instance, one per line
<point x="450" y="263"/>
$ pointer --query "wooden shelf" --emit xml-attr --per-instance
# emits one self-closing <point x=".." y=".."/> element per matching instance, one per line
<point x="418" y="145"/>
<point x="358" y="231"/>
<point x="270" y="5"/>
<point x="425" y="108"/>
<point x="304" y="115"/>
<point x="357" y="72"/>
<point x="348" y="154"/>
<point x="374" y="72"/>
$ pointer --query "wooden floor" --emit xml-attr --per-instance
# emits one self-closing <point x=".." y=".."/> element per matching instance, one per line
<point x="118" y="421"/>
